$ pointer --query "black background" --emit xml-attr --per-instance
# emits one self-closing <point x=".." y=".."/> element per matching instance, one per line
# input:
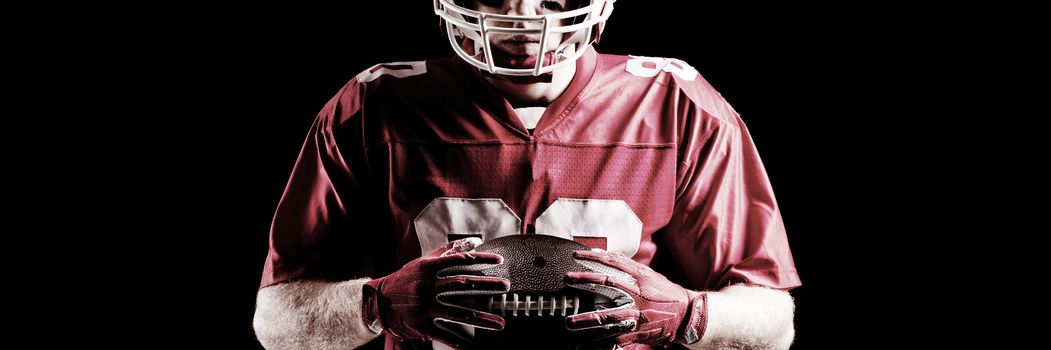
<point x="145" y="148"/>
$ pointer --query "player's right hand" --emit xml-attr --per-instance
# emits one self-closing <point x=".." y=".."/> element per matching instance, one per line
<point x="404" y="303"/>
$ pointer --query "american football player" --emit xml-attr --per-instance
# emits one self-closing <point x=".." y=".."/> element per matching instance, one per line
<point x="527" y="130"/>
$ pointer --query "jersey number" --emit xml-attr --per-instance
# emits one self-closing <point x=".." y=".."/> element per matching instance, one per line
<point x="394" y="69"/>
<point x="650" y="66"/>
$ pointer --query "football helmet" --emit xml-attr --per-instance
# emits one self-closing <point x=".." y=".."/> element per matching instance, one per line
<point x="474" y="35"/>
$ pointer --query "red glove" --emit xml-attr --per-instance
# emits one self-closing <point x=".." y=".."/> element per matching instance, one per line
<point x="662" y="312"/>
<point x="404" y="303"/>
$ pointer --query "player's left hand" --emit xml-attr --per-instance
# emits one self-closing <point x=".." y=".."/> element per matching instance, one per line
<point x="662" y="312"/>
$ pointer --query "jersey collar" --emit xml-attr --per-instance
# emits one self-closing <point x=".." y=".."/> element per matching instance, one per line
<point x="490" y="100"/>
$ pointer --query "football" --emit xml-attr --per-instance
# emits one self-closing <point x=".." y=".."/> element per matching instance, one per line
<point x="539" y="300"/>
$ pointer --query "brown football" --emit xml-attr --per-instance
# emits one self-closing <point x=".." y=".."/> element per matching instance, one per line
<point x="538" y="302"/>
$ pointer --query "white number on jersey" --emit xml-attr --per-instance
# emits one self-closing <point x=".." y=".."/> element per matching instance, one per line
<point x="394" y="69"/>
<point x="486" y="218"/>
<point x="649" y="66"/>
<point x="607" y="219"/>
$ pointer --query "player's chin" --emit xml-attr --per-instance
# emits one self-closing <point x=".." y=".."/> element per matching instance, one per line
<point x="526" y="61"/>
<point x="519" y="62"/>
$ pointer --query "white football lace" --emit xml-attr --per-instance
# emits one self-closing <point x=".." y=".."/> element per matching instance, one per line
<point x="551" y="305"/>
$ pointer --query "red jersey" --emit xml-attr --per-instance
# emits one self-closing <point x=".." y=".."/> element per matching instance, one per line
<point x="639" y="155"/>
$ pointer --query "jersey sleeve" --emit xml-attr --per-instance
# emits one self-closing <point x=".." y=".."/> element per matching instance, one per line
<point x="726" y="228"/>
<point x="316" y="231"/>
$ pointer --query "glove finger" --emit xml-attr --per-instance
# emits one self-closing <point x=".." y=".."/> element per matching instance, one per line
<point x="457" y="246"/>
<point x="462" y="259"/>
<point x="577" y="277"/>
<point x="462" y="245"/>
<point x="479" y="283"/>
<point x="615" y="260"/>
<point x="470" y="318"/>
<point x="621" y="318"/>
<point x="440" y="251"/>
